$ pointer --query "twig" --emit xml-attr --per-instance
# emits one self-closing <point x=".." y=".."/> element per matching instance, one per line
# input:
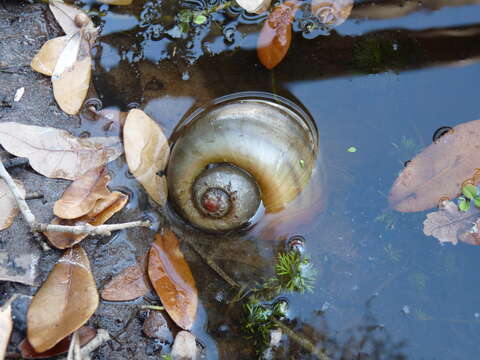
<point x="33" y="195"/>
<point x="77" y="229"/>
<point x="302" y="341"/>
<point x="101" y="337"/>
<point x="213" y="265"/>
<point x="74" y="348"/>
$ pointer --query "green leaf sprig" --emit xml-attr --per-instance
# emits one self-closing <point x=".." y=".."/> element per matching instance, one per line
<point x="469" y="195"/>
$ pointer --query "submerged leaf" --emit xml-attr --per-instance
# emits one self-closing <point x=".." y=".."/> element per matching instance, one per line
<point x="103" y="210"/>
<point x="147" y="151"/>
<point x="8" y="205"/>
<point x="81" y="196"/>
<point x="85" y="334"/>
<point x="438" y="171"/>
<point x="130" y="284"/>
<point x="64" y="303"/>
<point x="172" y="279"/>
<point x="276" y="35"/>
<point x="56" y="153"/>
<point x="46" y="59"/>
<point x="449" y="224"/>
<point x="6" y="326"/>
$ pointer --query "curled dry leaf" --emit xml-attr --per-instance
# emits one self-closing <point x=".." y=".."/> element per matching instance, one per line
<point x="46" y="59"/>
<point x="276" y="35"/>
<point x="147" y="151"/>
<point x="438" y="171"/>
<point x="449" y="224"/>
<point x="6" y="326"/>
<point x="254" y="6"/>
<point x="64" y="303"/>
<point x="103" y="210"/>
<point x="56" y="153"/>
<point x="172" y="279"/>
<point x="8" y="205"/>
<point x="85" y="334"/>
<point x="130" y="284"/>
<point x="65" y="15"/>
<point x="81" y="196"/>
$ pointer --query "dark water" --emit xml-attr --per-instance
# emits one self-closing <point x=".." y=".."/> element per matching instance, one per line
<point x="381" y="85"/>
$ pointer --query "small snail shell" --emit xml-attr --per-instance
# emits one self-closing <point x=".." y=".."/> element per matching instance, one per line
<point x="332" y="12"/>
<point x="81" y="20"/>
<point x="245" y="150"/>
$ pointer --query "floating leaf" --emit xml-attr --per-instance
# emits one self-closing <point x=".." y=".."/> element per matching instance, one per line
<point x="438" y="171"/>
<point x="56" y="153"/>
<point x="6" y="326"/>
<point x="65" y="15"/>
<point x="103" y="210"/>
<point x="85" y="334"/>
<point x="130" y="284"/>
<point x="147" y="151"/>
<point x="44" y="62"/>
<point x="276" y="35"/>
<point x="81" y="196"/>
<point x="464" y="204"/>
<point x="172" y="279"/>
<point x="449" y="224"/>
<point x="469" y="191"/>
<point x="116" y="2"/>
<point x="254" y="6"/>
<point x="8" y="205"/>
<point x="64" y="303"/>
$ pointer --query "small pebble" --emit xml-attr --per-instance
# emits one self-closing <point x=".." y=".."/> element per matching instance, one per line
<point x="184" y="347"/>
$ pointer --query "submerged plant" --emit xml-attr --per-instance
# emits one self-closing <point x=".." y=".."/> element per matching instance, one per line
<point x="469" y="194"/>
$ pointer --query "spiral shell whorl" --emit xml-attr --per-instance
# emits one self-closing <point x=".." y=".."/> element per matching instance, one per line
<point x="266" y="140"/>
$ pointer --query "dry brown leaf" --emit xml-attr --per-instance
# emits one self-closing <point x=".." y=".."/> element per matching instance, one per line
<point x="147" y="151"/>
<point x="156" y="326"/>
<point x="103" y="210"/>
<point x="8" y="206"/>
<point x="81" y="196"/>
<point x="44" y="62"/>
<point x="276" y="35"/>
<point x="6" y="326"/>
<point x="254" y="6"/>
<point x="56" y="153"/>
<point x="116" y="2"/>
<point x="130" y="284"/>
<point x="85" y="333"/>
<point x="172" y="279"/>
<point x="65" y="301"/>
<point x="449" y="224"/>
<point x="438" y="171"/>
<point x="70" y="87"/>
<point x="65" y="15"/>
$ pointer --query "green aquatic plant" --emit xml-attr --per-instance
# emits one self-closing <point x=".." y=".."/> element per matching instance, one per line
<point x="469" y="195"/>
<point x="293" y="273"/>
<point x="188" y="17"/>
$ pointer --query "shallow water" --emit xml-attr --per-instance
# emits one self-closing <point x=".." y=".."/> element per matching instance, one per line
<point x="381" y="85"/>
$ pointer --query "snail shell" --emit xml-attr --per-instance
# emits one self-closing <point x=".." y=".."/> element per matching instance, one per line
<point x="332" y="12"/>
<point x="246" y="152"/>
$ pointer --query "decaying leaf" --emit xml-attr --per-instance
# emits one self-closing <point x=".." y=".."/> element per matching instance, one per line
<point x="85" y="334"/>
<point x="438" y="171"/>
<point x="44" y="62"/>
<point x="147" y="151"/>
<point x="130" y="284"/>
<point x="156" y="326"/>
<point x="172" y="279"/>
<point x="254" y="6"/>
<point x="103" y="210"/>
<point x="65" y="15"/>
<point x="449" y="224"/>
<point x="64" y="303"/>
<point x="81" y="196"/>
<point x="8" y="206"/>
<point x="56" y="153"/>
<point x="6" y="326"/>
<point x="276" y="35"/>
<point x="116" y="2"/>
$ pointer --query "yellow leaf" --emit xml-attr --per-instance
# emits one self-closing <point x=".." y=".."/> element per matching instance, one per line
<point x="44" y="62"/>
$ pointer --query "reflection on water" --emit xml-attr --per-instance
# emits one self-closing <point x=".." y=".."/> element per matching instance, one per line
<point x="382" y="82"/>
